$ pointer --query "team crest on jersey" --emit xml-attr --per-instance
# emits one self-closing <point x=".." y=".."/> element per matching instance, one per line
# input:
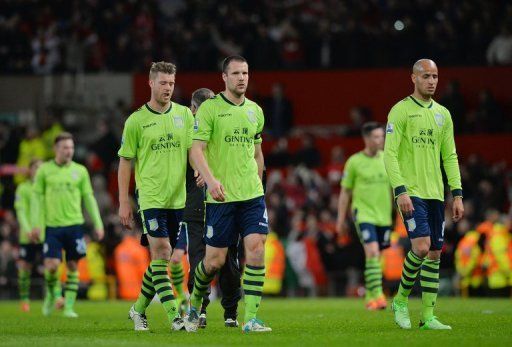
<point x="196" y="125"/>
<point x="251" y="116"/>
<point x="74" y="175"/>
<point x="439" y="118"/>
<point x="179" y="122"/>
<point x="390" y="128"/>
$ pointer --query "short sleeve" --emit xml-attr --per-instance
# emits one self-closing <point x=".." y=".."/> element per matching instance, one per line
<point x="261" y="123"/>
<point x="190" y="127"/>
<point x="85" y="184"/>
<point x="39" y="184"/>
<point x="203" y="126"/>
<point x="349" y="175"/>
<point x="130" y="139"/>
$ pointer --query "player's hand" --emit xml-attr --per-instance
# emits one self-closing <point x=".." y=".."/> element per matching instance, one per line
<point x="405" y="205"/>
<point x="457" y="209"/>
<point x="341" y="227"/>
<point x="216" y="190"/>
<point x="35" y="235"/>
<point x="126" y="215"/>
<point x="199" y="179"/>
<point x="100" y="233"/>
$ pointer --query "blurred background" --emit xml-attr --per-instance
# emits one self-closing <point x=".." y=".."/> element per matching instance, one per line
<point x="319" y="69"/>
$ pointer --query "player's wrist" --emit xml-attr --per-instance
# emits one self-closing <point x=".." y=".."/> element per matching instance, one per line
<point x="400" y="190"/>
<point x="457" y="193"/>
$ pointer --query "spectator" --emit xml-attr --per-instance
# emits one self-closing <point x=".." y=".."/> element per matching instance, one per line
<point x="308" y="154"/>
<point x="278" y="112"/>
<point x="499" y="51"/>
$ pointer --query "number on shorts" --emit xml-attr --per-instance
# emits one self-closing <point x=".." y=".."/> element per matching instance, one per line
<point x="265" y="216"/>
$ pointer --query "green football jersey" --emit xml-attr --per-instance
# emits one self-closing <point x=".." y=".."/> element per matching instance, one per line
<point x="231" y="132"/>
<point x="23" y="199"/>
<point x="59" y="191"/>
<point x="418" y="136"/>
<point x="371" y="192"/>
<point x="159" y="143"/>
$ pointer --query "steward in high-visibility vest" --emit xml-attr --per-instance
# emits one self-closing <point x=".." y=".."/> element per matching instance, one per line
<point x="468" y="261"/>
<point x="275" y="261"/>
<point x="497" y="260"/>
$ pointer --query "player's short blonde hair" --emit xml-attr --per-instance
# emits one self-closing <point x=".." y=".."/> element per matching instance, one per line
<point x="163" y="67"/>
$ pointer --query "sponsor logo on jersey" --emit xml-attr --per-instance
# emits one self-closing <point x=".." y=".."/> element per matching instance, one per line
<point x="390" y="128"/>
<point x="145" y="126"/>
<point x="224" y="115"/>
<point x="166" y="142"/>
<point x="239" y="136"/>
<point x="196" y="125"/>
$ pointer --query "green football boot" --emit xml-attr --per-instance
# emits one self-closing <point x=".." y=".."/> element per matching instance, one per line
<point x="434" y="324"/>
<point x="401" y="312"/>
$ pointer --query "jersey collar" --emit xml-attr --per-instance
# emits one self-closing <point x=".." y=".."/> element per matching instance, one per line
<point x="419" y="103"/>
<point x="155" y="112"/>
<point x="229" y="102"/>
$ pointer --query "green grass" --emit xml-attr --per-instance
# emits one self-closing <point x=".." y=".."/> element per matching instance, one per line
<point x="296" y="322"/>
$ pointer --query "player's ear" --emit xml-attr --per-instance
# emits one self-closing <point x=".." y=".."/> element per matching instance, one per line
<point x="224" y="76"/>
<point x="151" y="82"/>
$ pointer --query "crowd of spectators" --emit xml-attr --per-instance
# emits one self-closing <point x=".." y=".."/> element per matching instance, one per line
<point x="89" y="35"/>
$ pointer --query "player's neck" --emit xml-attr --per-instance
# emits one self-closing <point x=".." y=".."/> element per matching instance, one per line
<point x="235" y="99"/>
<point x="369" y="153"/>
<point x="158" y="107"/>
<point x="61" y="162"/>
<point x="420" y="97"/>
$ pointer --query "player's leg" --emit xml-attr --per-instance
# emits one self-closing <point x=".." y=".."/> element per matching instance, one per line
<point x="383" y="235"/>
<point x="176" y="265"/>
<point x="219" y="236"/>
<point x="419" y="234"/>
<point x="196" y="252"/>
<point x="229" y="281"/>
<point x="372" y="272"/>
<point x="52" y="252"/>
<point x="157" y="225"/>
<point x="429" y="274"/>
<point x="137" y="312"/>
<point x="24" y="272"/>
<point x="75" y="247"/>
<point x="253" y="221"/>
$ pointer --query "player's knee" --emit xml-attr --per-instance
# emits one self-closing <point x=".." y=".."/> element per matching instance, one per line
<point x="51" y="265"/>
<point x="255" y="252"/>
<point x="161" y="251"/>
<point x="421" y="250"/>
<point x="215" y="264"/>
<point x="434" y="255"/>
<point x="72" y="265"/>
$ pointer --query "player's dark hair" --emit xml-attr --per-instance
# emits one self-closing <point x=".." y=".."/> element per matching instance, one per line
<point x="225" y="62"/>
<point x="163" y="67"/>
<point x="368" y="127"/>
<point x="200" y="95"/>
<point x="63" y="136"/>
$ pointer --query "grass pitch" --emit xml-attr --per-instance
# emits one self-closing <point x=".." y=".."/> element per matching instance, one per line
<point x="296" y="322"/>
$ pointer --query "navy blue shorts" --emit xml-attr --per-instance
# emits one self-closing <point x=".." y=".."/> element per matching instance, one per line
<point x="182" y="241"/>
<point x="70" y="239"/>
<point x="29" y="252"/>
<point x="227" y="222"/>
<point x="373" y="233"/>
<point x="161" y="222"/>
<point x="427" y="220"/>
